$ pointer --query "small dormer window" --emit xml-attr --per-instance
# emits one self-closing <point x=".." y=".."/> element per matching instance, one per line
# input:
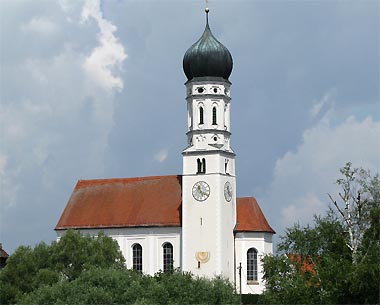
<point x="201" y="90"/>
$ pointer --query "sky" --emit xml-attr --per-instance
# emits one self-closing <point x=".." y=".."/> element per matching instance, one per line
<point x="95" y="89"/>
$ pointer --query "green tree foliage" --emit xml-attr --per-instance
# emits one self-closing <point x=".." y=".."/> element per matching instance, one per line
<point x="336" y="259"/>
<point x="115" y="286"/>
<point x="28" y="269"/>
<point x="86" y="270"/>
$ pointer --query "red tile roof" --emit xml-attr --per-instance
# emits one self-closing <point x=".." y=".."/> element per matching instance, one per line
<point x="145" y="201"/>
<point x="127" y="202"/>
<point x="3" y="254"/>
<point x="250" y="217"/>
<point x="305" y="263"/>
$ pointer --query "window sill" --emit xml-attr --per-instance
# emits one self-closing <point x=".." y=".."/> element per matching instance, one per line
<point x="252" y="283"/>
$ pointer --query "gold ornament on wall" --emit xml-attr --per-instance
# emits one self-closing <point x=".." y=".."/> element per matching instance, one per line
<point x="202" y="257"/>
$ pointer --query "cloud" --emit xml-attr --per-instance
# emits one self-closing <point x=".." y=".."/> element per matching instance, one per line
<point x="40" y="25"/>
<point x="303" y="177"/>
<point x="299" y="209"/>
<point x="162" y="155"/>
<point x="108" y="55"/>
<point x="55" y="116"/>
<point x="8" y="189"/>
<point x="327" y="101"/>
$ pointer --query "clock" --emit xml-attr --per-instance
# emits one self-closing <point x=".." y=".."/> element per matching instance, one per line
<point x="228" y="191"/>
<point x="201" y="191"/>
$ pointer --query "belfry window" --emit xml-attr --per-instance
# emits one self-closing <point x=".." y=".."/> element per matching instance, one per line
<point x="137" y="257"/>
<point x="201" y="115"/>
<point x="214" y="116"/>
<point x="168" y="256"/>
<point x="252" y="264"/>
<point x="201" y="166"/>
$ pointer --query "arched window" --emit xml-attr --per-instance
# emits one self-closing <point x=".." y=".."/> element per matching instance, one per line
<point x="214" y="116"/>
<point x="252" y="264"/>
<point x="201" y="115"/>
<point x="137" y="257"/>
<point x="199" y="166"/>
<point x="168" y="257"/>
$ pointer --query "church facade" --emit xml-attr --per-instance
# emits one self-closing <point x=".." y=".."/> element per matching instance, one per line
<point x="192" y="221"/>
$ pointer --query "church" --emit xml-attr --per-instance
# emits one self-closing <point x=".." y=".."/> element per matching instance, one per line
<point x="192" y="221"/>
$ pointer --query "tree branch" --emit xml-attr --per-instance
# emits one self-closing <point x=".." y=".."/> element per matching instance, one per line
<point x="338" y="207"/>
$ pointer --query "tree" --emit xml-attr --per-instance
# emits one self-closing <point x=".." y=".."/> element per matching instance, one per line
<point x="312" y="265"/>
<point x="75" y="253"/>
<point x="336" y="259"/>
<point x="28" y="269"/>
<point x="359" y="196"/>
<point x="86" y="270"/>
<point x="115" y="286"/>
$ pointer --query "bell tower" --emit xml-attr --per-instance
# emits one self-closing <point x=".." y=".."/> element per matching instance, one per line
<point x="208" y="186"/>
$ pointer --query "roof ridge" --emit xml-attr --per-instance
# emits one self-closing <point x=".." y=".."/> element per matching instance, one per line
<point x="83" y="182"/>
<point x="246" y="197"/>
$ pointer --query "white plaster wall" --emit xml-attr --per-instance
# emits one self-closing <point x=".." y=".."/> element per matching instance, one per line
<point x="207" y="226"/>
<point x="262" y="242"/>
<point x="151" y="240"/>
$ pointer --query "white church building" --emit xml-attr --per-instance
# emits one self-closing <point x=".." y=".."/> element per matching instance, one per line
<point x="192" y="221"/>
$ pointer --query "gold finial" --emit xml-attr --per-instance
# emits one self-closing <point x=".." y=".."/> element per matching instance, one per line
<point x="207" y="10"/>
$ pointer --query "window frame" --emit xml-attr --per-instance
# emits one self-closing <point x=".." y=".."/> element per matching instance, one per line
<point x="167" y="257"/>
<point x="137" y="257"/>
<point x="252" y="266"/>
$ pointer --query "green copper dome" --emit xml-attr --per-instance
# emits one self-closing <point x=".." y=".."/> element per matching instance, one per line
<point x="207" y="57"/>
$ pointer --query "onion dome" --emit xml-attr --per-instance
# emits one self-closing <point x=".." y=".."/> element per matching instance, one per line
<point x="207" y="57"/>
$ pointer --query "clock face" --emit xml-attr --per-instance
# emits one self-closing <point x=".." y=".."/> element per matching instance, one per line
<point x="201" y="191"/>
<point x="228" y="191"/>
